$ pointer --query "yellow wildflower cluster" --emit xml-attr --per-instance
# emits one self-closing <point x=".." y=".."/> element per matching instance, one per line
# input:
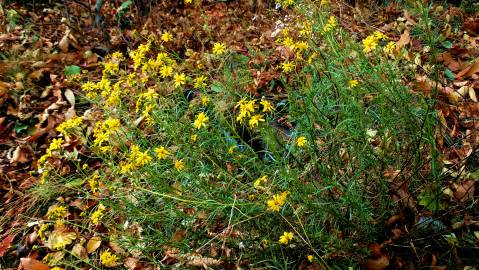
<point x="147" y="102"/>
<point x="285" y="238"/>
<point x="139" y="55"/>
<point x="57" y="212"/>
<point x="136" y="159"/>
<point x="247" y="109"/>
<point x="277" y="201"/>
<point x="98" y="214"/>
<point x="68" y="126"/>
<point x="55" y="145"/>
<point x="108" y="259"/>
<point x="331" y="24"/>
<point x="372" y="41"/>
<point x="93" y="182"/>
<point x="103" y="132"/>
<point x="287" y="67"/>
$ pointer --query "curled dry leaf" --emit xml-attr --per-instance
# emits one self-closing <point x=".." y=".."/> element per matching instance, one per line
<point x="32" y="264"/>
<point x="465" y="191"/>
<point x="5" y="244"/>
<point x="93" y="244"/>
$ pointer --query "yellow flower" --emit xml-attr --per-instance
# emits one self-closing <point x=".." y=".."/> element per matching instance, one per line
<point x="301" y="46"/>
<point x="287" y="67"/>
<point x="194" y="138"/>
<point x="188" y="1"/>
<point x="93" y="182"/>
<point x="161" y="152"/>
<point x="180" y="79"/>
<point x="277" y="201"/>
<point x="254" y="120"/>
<point x="166" y="36"/>
<point x="57" y="212"/>
<point x="332" y="23"/>
<point x="310" y="258"/>
<point x="380" y="36"/>
<point x="66" y="127"/>
<point x="143" y="158"/>
<point x="301" y="141"/>
<point x="219" y="48"/>
<point x="107" y="259"/>
<point x="97" y="215"/>
<point x="43" y="228"/>
<point x="201" y="120"/>
<point x="260" y="180"/>
<point x="286" y="237"/>
<point x="353" y="83"/>
<point x="204" y="100"/>
<point x="179" y="165"/>
<point x="390" y="47"/>
<point x="267" y="107"/>
<point x="56" y="144"/>
<point x="166" y="71"/>
<point x="200" y="82"/>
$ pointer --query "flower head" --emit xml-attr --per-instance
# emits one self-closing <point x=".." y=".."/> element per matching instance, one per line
<point x="301" y="141"/>
<point x="286" y="237"/>
<point x="201" y="120"/>
<point x="200" y="82"/>
<point x="179" y="165"/>
<point x="107" y="259"/>
<point x="267" y="107"/>
<point x="255" y="119"/>
<point x="219" y="48"/>
<point x="287" y="67"/>
<point x="277" y="201"/>
<point x="166" y="36"/>
<point x="353" y="83"/>
<point x="161" y="152"/>
<point x="180" y="79"/>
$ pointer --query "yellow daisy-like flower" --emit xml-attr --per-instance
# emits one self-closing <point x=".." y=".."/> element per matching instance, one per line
<point x="161" y="152"/>
<point x="204" y="100"/>
<point x="389" y="48"/>
<point x="180" y="79"/>
<point x="200" y="82"/>
<point x="107" y="259"/>
<point x="57" y="212"/>
<point x="255" y="119"/>
<point x="167" y="36"/>
<point x="353" y="83"/>
<point x="142" y="158"/>
<point x="287" y="67"/>
<point x="179" y="165"/>
<point x="310" y="258"/>
<point x="267" y="107"/>
<point x="166" y="71"/>
<point x="97" y="215"/>
<point x="219" y="48"/>
<point x="286" y="237"/>
<point x="301" y="141"/>
<point x="201" y="120"/>
<point x="277" y="201"/>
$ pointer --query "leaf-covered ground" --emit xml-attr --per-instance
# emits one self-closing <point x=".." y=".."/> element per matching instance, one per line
<point x="234" y="55"/>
